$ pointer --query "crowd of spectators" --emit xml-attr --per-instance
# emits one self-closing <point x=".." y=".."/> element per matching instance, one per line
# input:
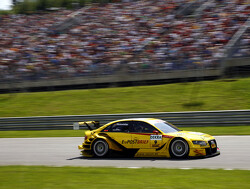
<point x="139" y="36"/>
<point x="195" y="42"/>
<point x="110" y="37"/>
<point x="26" y="49"/>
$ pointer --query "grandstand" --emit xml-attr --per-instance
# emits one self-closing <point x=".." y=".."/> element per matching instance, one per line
<point x="134" y="41"/>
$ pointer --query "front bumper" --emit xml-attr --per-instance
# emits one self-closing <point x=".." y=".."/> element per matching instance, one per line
<point x="204" y="152"/>
<point x="80" y="147"/>
<point x="214" y="154"/>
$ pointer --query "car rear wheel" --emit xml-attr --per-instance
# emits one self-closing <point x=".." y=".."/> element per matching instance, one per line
<point x="100" y="148"/>
<point x="179" y="148"/>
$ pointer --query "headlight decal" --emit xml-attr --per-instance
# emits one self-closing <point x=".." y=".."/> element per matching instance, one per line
<point x="201" y="143"/>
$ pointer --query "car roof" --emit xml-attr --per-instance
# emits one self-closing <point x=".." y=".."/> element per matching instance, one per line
<point x="151" y="121"/>
<point x="137" y="119"/>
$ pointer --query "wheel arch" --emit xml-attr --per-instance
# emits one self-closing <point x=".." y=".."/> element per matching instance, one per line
<point x="189" y="143"/>
<point x="183" y="138"/>
<point x="99" y="138"/>
<point x="112" y="145"/>
<point x="95" y="151"/>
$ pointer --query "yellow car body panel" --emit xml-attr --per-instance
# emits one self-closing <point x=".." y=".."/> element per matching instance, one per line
<point x="151" y="142"/>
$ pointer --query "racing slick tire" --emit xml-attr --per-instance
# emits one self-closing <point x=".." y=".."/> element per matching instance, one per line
<point x="100" y="148"/>
<point x="179" y="148"/>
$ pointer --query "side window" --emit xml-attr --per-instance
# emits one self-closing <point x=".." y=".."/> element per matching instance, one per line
<point x="142" y="127"/>
<point x="107" y="128"/>
<point x="122" y="126"/>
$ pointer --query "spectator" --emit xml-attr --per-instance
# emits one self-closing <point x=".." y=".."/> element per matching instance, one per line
<point x="144" y="35"/>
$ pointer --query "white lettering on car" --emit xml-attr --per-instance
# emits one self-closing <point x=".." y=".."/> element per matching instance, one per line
<point x="155" y="137"/>
<point x="122" y="124"/>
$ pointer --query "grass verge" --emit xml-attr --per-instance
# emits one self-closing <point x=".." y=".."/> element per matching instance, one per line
<point x="40" y="177"/>
<point x="43" y="133"/>
<point x="236" y="130"/>
<point x="194" y="96"/>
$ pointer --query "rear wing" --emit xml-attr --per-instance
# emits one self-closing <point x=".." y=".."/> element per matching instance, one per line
<point x="91" y="125"/>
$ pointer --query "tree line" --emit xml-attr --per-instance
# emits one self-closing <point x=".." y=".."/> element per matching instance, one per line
<point x="33" y="6"/>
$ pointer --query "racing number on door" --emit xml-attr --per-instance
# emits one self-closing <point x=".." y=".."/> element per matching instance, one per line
<point x="155" y="141"/>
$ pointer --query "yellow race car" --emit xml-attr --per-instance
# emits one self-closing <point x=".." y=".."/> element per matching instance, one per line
<point x="145" y="137"/>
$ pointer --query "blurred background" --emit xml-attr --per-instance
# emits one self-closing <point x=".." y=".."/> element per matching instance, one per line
<point x="65" y="44"/>
<point x="50" y="45"/>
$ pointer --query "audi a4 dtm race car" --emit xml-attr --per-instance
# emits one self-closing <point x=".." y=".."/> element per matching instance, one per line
<point x="145" y="137"/>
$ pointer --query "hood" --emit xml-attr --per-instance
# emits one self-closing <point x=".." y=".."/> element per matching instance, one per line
<point x="193" y="135"/>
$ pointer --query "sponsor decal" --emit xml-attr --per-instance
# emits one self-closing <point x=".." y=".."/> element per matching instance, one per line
<point x="142" y="142"/>
<point x="116" y="130"/>
<point x="180" y="134"/>
<point x="147" y="154"/>
<point x="155" y="137"/>
<point x="199" y="152"/>
<point x="213" y="145"/>
<point x="155" y="144"/>
<point x="122" y="124"/>
<point x="135" y="141"/>
<point x="196" y="133"/>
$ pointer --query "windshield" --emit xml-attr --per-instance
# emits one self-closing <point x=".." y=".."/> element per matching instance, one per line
<point x="166" y="127"/>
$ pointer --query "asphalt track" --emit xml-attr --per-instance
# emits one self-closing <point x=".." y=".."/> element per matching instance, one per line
<point x="235" y="154"/>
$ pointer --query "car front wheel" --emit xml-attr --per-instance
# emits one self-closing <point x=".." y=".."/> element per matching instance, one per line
<point x="179" y="148"/>
<point x="100" y="148"/>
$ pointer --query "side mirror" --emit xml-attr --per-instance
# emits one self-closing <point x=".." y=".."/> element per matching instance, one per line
<point x="156" y="132"/>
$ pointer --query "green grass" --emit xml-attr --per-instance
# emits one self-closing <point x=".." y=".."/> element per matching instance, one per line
<point x="43" y="133"/>
<point x="232" y="130"/>
<point x="196" y="96"/>
<point x="6" y="12"/>
<point x="39" y="177"/>
<point x="236" y="130"/>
